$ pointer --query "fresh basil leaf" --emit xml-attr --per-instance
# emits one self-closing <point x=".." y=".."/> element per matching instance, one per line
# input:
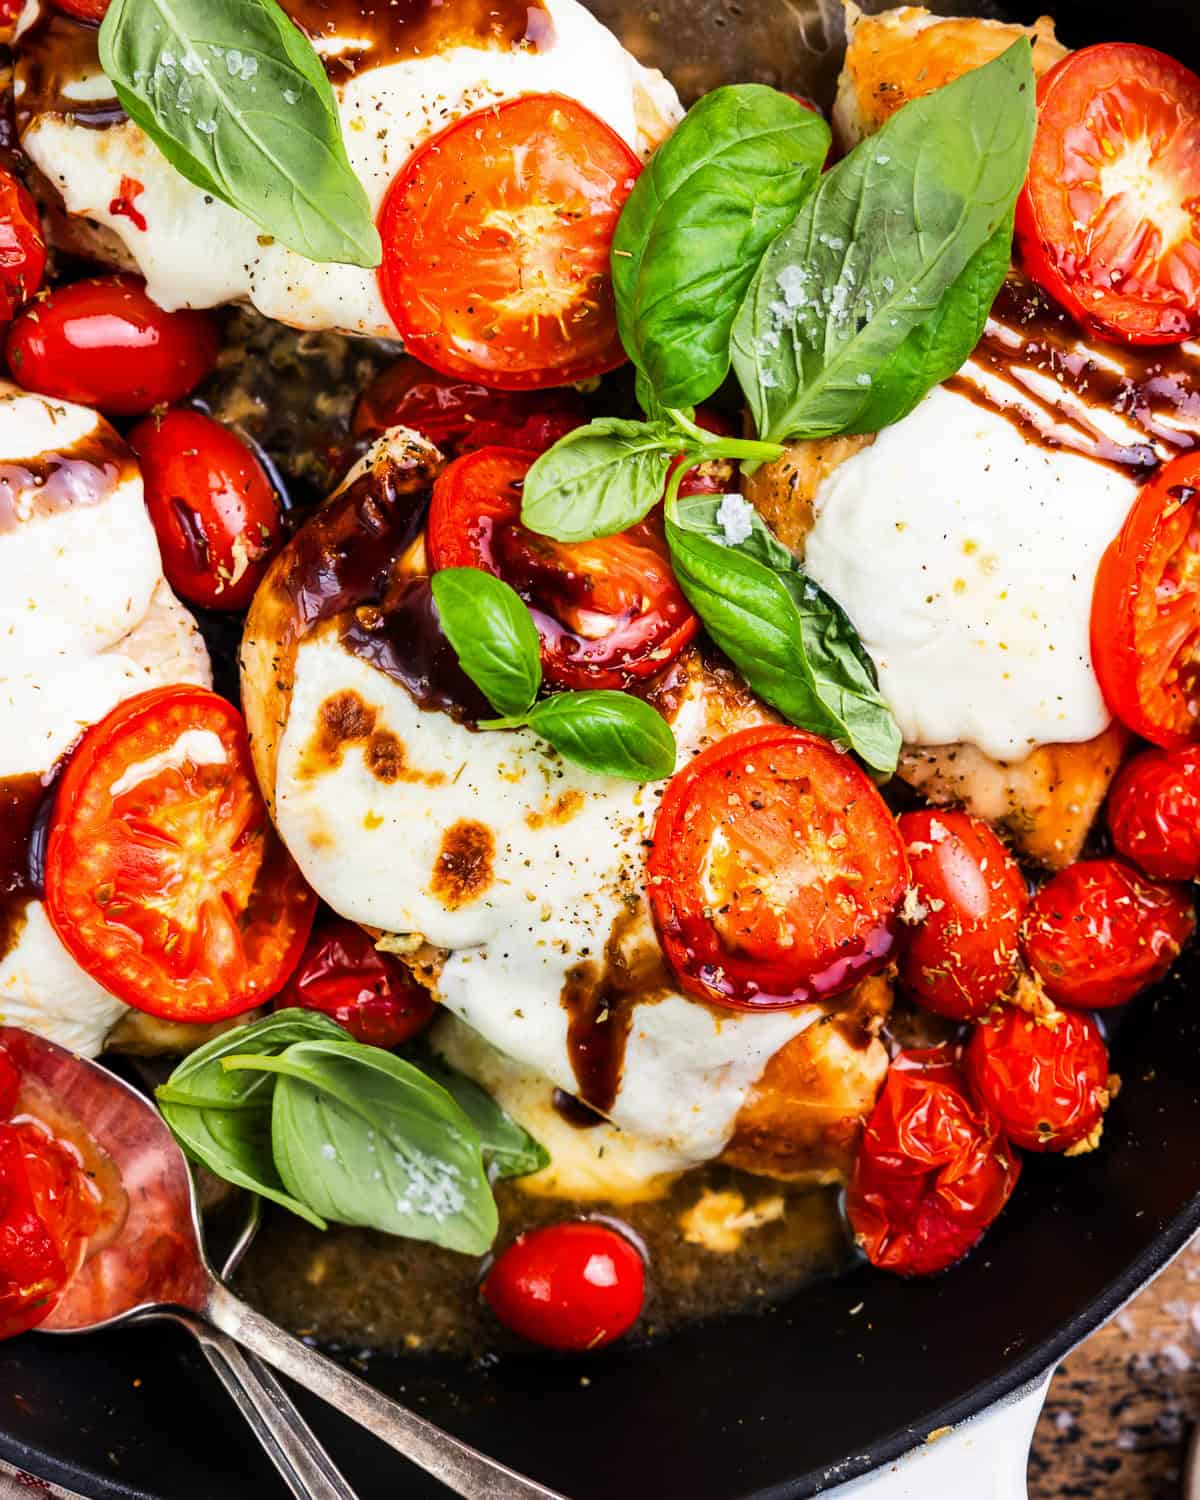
<point x="935" y="349"/>
<point x="776" y="628"/>
<point x="708" y="203"/>
<point x="599" y="479"/>
<point x="610" y="733"/>
<point x="876" y="247"/>
<point x="365" y="1138"/>
<point x="237" y="101"/>
<point x="508" y="1148"/>
<point x="223" y="1119"/>
<point x="493" y="636"/>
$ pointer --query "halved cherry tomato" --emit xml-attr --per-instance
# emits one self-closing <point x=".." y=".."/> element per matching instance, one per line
<point x="608" y="612"/>
<point x="934" y="1169"/>
<point x="1154" y="813"/>
<point x="1109" y="218"/>
<point x="103" y="343"/>
<point x="213" y="507"/>
<point x="1044" y="1079"/>
<point x="370" y="993"/>
<point x="1146" y="610"/>
<point x="22" y="248"/>
<point x="496" y="237"/>
<point x="962" y="953"/>
<point x="1099" y="932"/>
<point x="458" y="415"/>
<point x="572" y="1286"/>
<point x="776" y="871"/>
<point x="164" y="877"/>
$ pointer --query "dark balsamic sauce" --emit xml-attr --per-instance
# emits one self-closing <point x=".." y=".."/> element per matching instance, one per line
<point x="574" y="1111"/>
<point x="55" y="52"/>
<point x="84" y="474"/>
<point x="25" y="803"/>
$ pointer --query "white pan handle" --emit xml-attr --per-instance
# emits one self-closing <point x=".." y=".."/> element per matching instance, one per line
<point x="986" y="1458"/>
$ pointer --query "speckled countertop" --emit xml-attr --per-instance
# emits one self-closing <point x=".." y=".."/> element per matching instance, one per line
<point x="1122" y="1407"/>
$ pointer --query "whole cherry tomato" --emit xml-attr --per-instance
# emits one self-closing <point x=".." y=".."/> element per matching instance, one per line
<point x="962" y="954"/>
<point x="1099" y="932"/>
<point x="458" y="415"/>
<point x="1044" y="1079"/>
<point x="213" y="507"/>
<point x="1154" y="812"/>
<point x="571" y="1286"/>
<point x="934" y="1169"/>
<point x="776" y="871"/>
<point x="22" y="248"/>
<point x="370" y="993"/>
<point x="103" y="343"/>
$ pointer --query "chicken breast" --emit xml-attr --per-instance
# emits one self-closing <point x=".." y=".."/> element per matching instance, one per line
<point x="515" y="879"/>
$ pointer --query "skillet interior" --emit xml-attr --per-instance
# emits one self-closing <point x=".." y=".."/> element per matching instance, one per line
<point x="778" y="1405"/>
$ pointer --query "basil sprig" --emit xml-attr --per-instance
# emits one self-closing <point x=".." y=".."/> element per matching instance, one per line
<point x="732" y="175"/>
<point x="496" y="642"/>
<point x="292" y="1108"/>
<point x="236" y="99"/>
<point x="877" y="248"/>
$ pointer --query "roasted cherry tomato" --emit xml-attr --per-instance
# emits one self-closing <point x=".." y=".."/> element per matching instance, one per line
<point x="933" y="1171"/>
<point x="22" y="248"/>
<point x="47" y="1213"/>
<point x="1045" y="1079"/>
<point x="961" y="955"/>
<point x="1099" y="932"/>
<point x="164" y="877"/>
<point x="212" y="505"/>
<point x="103" y="343"/>
<point x="776" y="871"/>
<point x="1109" y="218"/>
<point x="496" y="237"/>
<point x="1154" y="812"/>
<point x="571" y="1286"/>
<point x="84" y="10"/>
<point x="370" y="993"/>
<point x="1146" y="610"/>
<point x="716" y="476"/>
<point x="608" y="612"/>
<point x="10" y="1084"/>
<point x="460" y="415"/>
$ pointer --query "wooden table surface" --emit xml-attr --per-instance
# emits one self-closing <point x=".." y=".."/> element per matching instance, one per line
<point x="1121" y="1408"/>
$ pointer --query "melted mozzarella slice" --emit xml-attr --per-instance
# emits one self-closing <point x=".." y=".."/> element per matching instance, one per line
<point x="196" y="251"/>
<point x="530" y="870"/>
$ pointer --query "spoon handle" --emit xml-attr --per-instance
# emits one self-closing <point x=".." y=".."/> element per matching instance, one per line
<point x="289" y="1442"/>
<point x="461" y="1468"/>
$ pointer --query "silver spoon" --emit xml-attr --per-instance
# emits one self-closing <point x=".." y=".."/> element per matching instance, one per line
<point x="155" y="1267"/>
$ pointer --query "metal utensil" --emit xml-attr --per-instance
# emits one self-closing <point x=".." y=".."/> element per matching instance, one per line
<point x="155" y="1268"/>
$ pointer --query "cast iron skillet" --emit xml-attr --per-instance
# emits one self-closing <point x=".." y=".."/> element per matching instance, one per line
<point x="778" y="1405"/>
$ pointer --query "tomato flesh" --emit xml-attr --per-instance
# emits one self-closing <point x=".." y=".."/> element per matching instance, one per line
<point x="496" y="237"/>
<point x="1045" y="1080"/>
<point x="459" y="415"/>
<point x="1109" y="218"/>
<point x="1099" y="932"/>
<point x="1154" y="813"/>
<point x="372" y="994"/>
<point x="962" y="955"/>
<point x="164" y="877"/>
<point x="213" y="507"/>
<point x="608" y="612"/>
<point x="776" y="871"/>
<point x="104" y="343"/>
<point x="22" y="248"/>
<point x="1145" y="626"/>
<point x="572" y="1286"/>
<point x="934" y="1169"/>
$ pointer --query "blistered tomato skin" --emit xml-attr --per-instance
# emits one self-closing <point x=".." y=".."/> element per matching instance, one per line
<point x="1099" y="932"/>
<point x="343" y="975"/>
<point x="213" y="507"/>
<point x="1154" y="813"/>
<point x="104" y="343"/>
<point x="573" y="1286"/>
<point x="961" y="953"/>
<point x="1045" y="1080"/>
<point x="22" y="248"/>
<point x="934" y="1169"/>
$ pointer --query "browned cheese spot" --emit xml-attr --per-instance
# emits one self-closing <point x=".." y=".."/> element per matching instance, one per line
<point x="463" y="868"/>
<point x="344" y="720"/>
<point x="560" y="809"/>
